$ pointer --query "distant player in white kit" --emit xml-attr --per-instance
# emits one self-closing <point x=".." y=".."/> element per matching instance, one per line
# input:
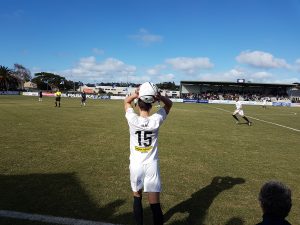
<point x="239" y="110"/>
<point x="264" y="105"/>
<point x="144" y="164"/>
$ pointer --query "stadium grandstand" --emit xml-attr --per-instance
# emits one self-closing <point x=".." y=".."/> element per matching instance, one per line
<point x="214" y="90"/>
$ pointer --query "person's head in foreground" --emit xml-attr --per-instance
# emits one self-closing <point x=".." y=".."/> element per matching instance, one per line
<point x="144" y="106"/>
<point x="275" y="199"/>
<point x="147" y="95"/>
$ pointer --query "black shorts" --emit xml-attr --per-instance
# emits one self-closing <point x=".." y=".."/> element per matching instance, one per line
<point x="57" y="99"/>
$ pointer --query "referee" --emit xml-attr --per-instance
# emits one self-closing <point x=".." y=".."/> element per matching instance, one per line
<point x="57" y="98"/>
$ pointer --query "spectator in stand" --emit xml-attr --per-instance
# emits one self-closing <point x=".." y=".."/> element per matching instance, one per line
<point x="276" y="203"/>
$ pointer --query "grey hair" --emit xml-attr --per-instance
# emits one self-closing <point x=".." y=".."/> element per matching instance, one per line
<point x="275" y="199"/>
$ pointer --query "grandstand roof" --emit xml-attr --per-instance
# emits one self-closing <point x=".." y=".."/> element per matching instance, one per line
<point x="225" y="83"/>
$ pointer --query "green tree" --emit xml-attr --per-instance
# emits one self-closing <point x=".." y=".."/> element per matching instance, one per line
<point x="168" y="86"/>
<point x="45" y="80"/>
<point x="70" y="85"/>
<point x="7" y="80"/>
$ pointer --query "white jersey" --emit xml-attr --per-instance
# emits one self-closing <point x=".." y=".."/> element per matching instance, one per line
<point x="239" y="109"/>
<point x="264" y="102"/>
<point x="238" y="105"/>
<point x="144" y="135"/>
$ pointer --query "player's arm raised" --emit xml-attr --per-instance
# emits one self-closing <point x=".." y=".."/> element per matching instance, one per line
<point x="128" y="100"/>
<point x="167" y="102"/>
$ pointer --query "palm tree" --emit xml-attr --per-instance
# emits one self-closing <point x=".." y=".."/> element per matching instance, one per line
<point x="5" y="77"/>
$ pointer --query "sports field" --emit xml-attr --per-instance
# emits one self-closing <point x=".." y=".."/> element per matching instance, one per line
<point x="72" y="162"/>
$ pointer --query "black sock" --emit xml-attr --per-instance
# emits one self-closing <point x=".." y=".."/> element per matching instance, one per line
<point x="138" y="210"/>
<point x="234" y="116"/>
<point x="158" y="218"/>
<point x="246" y="119"/>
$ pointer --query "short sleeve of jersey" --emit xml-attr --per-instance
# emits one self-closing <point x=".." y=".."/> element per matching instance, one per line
<point x="130" y="114"/>
<point x="161" y="114"/>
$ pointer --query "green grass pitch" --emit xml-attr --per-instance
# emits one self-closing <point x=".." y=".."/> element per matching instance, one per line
<point x="73" y="161"/>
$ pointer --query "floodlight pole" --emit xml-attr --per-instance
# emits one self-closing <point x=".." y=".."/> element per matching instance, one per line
<point x="127" y="85"/>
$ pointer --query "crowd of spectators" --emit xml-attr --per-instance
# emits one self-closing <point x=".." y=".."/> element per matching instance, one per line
<point x="295" y="100"/>
<point x="234" y="95"/>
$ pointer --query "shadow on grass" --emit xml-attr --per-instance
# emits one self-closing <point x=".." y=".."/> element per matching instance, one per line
<point x="199" y="202"/>
<point x="56" y="195"/>
<point x="62" y="195"/>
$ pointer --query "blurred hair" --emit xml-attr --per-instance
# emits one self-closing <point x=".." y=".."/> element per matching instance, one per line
<point x="275" y="199"/>
<point x="144" y="106"/>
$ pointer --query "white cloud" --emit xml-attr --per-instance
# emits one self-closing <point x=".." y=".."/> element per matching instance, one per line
<point x="165" y="78"/>
<point x="190" y="65"/>
<point x="231" y="75"/>
<point x="98" y="51"/>
<point x="297" y="64"/>
<point x="86" y="64"/>
<point x="110" y="69"/>
<point x="261" y="59"/>
<point x="35" y="70"/>
<point x="254" y="77"/>
<point x="261" y="75"/>
<point x="238" y="73"/>
<point x="155" y="70"/>
<point x="286" y="80"/>
<point x="139" y="79"/>
<point x="152" y="71"/>
<point x="146" y="38"/>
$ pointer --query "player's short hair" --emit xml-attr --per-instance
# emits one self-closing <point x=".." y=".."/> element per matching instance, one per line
<point x="275" y="199"/>
<point x="144" y="106"/>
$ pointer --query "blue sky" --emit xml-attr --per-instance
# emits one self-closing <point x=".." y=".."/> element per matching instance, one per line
<point x="154" y="40"/>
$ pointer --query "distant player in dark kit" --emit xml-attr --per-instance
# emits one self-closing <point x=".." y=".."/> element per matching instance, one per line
<point x="40" y="96"/>
<point x="83" y="98"/>
<point x="239" y="110"/>
<point x="57" y="98"/>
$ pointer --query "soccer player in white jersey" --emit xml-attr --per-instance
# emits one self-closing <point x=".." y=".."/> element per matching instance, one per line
<point x="239" y="110"/>
<point x="144" y="164"/>
<point x="264" y="104"/>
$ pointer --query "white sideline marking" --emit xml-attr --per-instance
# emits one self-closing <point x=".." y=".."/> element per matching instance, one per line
<point x="48" y="219"/>
<point x="262" y="120"/>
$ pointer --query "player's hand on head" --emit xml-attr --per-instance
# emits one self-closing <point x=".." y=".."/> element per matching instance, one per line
<point x="157" y="96"/>
<point x="136" y="92"/>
